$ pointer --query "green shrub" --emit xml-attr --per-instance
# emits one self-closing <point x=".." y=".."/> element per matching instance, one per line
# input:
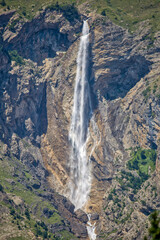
<point x="27" y="213"/>
<point x="16" y="57"/>
<point x="12" y="212"/>
<point x="146" y="93"/>
<point x="133" y="182"/>
<point x="38" y="232"/>
<point x="103" y="13"/>
<point x="155" y="88"/>
<point x="3" y="3"/>
<point x="45" y="234"/>
<point x="143" y="202"/>
<point x="141" y="160"/>
<point x="1" y="188"/>
<point x="116" y="200"/>
<point x="128" y="180"/>
<point x="153" y="114"/>
<point x="154" y="230"/>
<point x="24" y="11"/>
<point x="110" y="197"/>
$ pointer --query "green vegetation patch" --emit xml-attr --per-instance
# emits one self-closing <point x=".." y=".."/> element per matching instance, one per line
<point x="126" y="218"/>
<point x="65" y="235"/>
<point x="28" y="216"/>
<point x="16" y="57"/>
<point x="128" y="180"/>
<point x="29" y="8"/>
<point x="146" y="93"/>
<point x="142" y="160"/>
<point x="2" y="3"/>
<point x="152" y="89"/>
<point x="156" y="88"/>
<point x="154" y="230"/>
<point x="53" y="218"/>
<point x="28" y="176"/>
<point x="69" y="11"/>
<point x="128" y="13"/>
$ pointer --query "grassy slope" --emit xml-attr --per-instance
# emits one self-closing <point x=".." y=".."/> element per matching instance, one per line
<point x="142" y="160"/>
<point x="126" y="13"/>
<point x="15" y="179"/>
<point x="30" y="7"/>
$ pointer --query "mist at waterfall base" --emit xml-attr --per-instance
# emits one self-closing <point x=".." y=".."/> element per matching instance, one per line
<point x="79" y="165"/>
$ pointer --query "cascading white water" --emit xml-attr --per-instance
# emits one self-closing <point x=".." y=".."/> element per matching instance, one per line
<point x="79" y="164"/>
<point x="91" y="229"/>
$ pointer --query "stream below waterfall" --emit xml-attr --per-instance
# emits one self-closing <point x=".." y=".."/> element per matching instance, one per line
<point x="91" y="228"/>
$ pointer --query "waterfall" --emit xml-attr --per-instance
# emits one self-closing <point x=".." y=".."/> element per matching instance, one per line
<point x="91" y="229"/>
<point x="80" y="180"/>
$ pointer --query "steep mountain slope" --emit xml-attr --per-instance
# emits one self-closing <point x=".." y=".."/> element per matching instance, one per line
<point x="23" y="124"/>
<point x="37" y="77"/>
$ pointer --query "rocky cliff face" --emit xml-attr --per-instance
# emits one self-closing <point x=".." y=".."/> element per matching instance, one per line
<point x="26" y="90"/>
<point x="126" y="74"/>
<point x="36" y="105"/>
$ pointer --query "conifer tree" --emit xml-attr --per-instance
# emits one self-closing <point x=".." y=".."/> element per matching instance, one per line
<point x="154" y="230"/>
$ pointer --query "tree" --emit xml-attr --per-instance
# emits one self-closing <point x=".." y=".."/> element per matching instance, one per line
<point x="103" y="13"/>
<point x="154" y="230"/>
<point x="3" y="3"/>
<point x="1" y="188"/>
<point x="27" y="214"/>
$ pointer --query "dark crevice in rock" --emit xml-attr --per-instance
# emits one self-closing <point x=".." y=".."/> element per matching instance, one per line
<point x="5" y="17"/>
<point x="40" y="45"/>
<point x="43" y="120"/>
<point x="123" y="75"/>
<point x="42" y="37"/>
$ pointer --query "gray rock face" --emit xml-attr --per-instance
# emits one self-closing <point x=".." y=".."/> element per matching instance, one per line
<point x="5" y="150"/>
<point x="94" y="216"/>
<point x="36" y="104"/>
<point x="80" y="230"/>
<point x="82" y="216"/>
<point x="15" y="145"/>
<point x="5" y="17"/>
<point x="43" y="37"/>
<point x="118" y="64"/>
<point x="23" y="117"/>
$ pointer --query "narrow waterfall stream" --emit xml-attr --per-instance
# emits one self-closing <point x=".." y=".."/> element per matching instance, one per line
<point x="80" y="177"/>
<point x="91" y="229"/>
<point x="79" y="164"/>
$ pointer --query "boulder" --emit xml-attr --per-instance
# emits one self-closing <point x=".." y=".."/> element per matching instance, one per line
<point x="82" y="216"/>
